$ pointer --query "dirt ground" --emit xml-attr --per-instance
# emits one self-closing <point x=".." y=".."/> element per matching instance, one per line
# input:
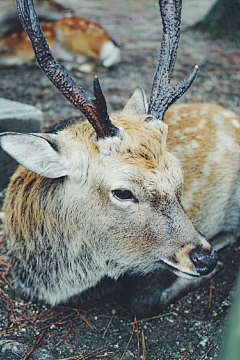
<point x="192" y="328"/>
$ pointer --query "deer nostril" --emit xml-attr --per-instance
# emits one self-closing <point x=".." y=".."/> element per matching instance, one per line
<point x="196" y="262"/>
<point x="204" y="261"/>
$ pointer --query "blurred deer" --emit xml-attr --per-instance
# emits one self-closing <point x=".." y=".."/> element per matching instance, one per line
<point x="97" y="207"/>
<point x="48" y="10"/>
<point x="72" y="39"/>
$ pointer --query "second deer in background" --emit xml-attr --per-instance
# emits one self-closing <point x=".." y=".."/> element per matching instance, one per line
<point x="72" y="39"/>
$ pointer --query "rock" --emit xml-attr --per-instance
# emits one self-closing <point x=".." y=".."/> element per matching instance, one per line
<point x="14" y="347"/>
<point x="16" y="117"/>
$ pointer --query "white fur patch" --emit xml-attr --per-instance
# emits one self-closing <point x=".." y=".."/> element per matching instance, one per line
<point x="235" y="123"/>
<point x="110" y="54"/>
<point x="217" y="120"/>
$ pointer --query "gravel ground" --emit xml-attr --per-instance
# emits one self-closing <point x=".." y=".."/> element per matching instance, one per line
<point x="194" y="329"/>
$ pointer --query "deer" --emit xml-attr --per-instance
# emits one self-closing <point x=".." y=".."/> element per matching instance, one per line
<point x="48" y="10"/>
<point x="78" y="42"/>
<point x="99" y="207"/>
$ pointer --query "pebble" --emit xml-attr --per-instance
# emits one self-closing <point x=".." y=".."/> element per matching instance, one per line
<point x="203" y="342"/>
<point x="16" y="348"/>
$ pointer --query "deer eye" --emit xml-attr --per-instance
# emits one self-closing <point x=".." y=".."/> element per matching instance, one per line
<point x="122" y="194"/>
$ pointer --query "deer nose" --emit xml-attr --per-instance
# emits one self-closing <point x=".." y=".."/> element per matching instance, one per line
<point x="204" y="260"/>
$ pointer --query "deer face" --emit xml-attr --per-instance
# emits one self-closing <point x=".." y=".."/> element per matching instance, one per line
<point x="139" y="196"/>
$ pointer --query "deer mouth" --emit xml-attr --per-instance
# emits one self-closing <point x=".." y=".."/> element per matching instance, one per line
<point x="199" y="262"/>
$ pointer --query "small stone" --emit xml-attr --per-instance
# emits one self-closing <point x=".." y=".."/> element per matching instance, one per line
<point x="14" y="347"/>
<point x="203" y="342"/>
<point x="16" y="117"/>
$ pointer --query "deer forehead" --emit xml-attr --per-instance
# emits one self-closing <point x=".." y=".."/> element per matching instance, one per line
<point x="146" y="184"/>
<point x="140" y="154"/>
<point x="140" y="143"/>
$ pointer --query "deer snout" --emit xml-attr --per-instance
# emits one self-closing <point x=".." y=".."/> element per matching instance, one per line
<point x="204" y="260"/>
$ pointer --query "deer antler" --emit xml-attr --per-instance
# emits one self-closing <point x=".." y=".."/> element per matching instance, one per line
<point x="95" y="110"/>
<point x="162" y="94"/>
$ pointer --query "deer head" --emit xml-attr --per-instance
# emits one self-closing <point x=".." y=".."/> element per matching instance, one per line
<point x="101" y="197"/>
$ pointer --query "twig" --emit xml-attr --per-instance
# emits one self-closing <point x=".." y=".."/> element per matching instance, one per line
<point x="67" y="333"/>
<point x="92" y="353"/>
<point x="138" y="342"/>
<point x="113" y="314"/>
<point x="186" y="350"/>
<point x="57" y="339"/>
<point x="206" y="353"/>
<point x="33" y="348"/>
<point x="144" y="357"/>
<point x="86" y="320"/>
<point x="6" y="280"/>
<point x="134" y="325"/>
<point x="56" y="314"/>
<point x="17" y="355"/>
<point x="87" y="356"/>
<point x="149" y="319"/>
<point x="8" y="331"/>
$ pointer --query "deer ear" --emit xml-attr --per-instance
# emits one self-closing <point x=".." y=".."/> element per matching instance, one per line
<point x="137" y="104"/>
<point x="36" y="152"/>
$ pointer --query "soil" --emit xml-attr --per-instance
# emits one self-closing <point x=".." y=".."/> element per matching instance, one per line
<point x="191" y="328"/>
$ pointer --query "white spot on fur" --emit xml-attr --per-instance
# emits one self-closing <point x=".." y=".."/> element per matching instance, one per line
<point x="110" y="54"/>
<point x="175" y="118"/>
<point x="204" y="111"/>
<point x="196" y="186"/>
<point x="177" y="133"/>
<point x="235" y="123"/>
<point x="225" y="141"/>
<point x="185" y="148"/>
<point x="201" y="125"/>
<point x="217" y="120"/>
<point x="226" y="114"/>
<point x="206" y="170"/>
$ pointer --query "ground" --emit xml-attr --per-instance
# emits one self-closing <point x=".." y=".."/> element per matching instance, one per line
<point x="194" y="326"/>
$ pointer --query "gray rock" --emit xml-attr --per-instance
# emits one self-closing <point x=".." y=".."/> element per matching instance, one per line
<point x="14" y="347"/>
<point x="16" y="117"/>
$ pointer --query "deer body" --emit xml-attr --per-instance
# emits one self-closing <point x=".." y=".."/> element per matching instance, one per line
<point x="72" y="39"/>
<point x="206" y="139"/>
<point x="82" y="252"/>
<point x="95" y="208"/>
<point x="48" y="10"/>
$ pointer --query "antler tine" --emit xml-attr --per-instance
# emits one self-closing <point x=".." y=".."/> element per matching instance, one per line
<point x="162" y="94"/>
<point x="95" y="110"/>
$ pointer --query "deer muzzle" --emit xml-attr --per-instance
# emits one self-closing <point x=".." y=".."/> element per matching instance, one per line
<point x="203" y="260"/>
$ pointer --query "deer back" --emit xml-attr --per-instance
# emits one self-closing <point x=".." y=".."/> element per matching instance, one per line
<point x="206" y="140"/>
